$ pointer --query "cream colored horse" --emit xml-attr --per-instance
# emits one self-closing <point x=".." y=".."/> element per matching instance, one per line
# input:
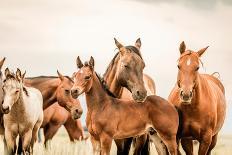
<point x="23" y="112"/>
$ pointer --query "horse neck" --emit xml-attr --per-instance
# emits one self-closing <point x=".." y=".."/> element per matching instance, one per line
<point x="96" y="96"/>
<point x="111" y="78"/>
<point x="47" y="87"/>
<point x="201" y="84"/>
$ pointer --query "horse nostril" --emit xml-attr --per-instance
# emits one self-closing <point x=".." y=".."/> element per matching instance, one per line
<point x="181" y="93"/>
<point x="76" y="110"/>
<point x="138" y="92"/>
<point x="191" y="94"/>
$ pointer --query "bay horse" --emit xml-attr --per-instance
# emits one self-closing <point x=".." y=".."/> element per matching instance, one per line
<point x="201" y="100"/>
<point x="124" y="72"/>
<point x="1" y="97"/>
<point x="54" y="117"/>
<point x="110" y="118"/>
<point x="23" y="112"/>
<point x="56" y="89"/>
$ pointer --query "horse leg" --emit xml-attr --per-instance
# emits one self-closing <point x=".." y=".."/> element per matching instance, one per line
<point x="9" y="143"/>
<point x="159" y="145"/>
<point x="140" y="144"/>
<point x="35" y="133"/>
<point x="205" y="142"/>
<point x="49" y="131"/>
<point x="187" y="145"/>
<point x="123" y="146"/>
<point x="170" y="142"/>
<point x="105" y="144"/>
<point x="20" y="146"/>
<point x="213" y="144"/>
<point x="95" y="145"/>
<point x="26" y="141"/>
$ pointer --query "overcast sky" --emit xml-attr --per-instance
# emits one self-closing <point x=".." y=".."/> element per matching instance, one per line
<point x="41" y="36"/>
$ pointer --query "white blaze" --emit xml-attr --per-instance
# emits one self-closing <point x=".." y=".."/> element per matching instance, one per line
<point x="188" y="62"/>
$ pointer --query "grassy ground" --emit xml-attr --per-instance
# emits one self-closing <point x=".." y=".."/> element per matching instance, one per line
<point x="60" y="145"/>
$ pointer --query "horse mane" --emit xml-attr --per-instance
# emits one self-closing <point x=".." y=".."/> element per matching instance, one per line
<point x="131" y="49"/>
<point x="104" y="85"/>
<point x="25" y="91"/>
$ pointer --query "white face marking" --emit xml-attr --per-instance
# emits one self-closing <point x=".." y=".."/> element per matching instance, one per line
<point x="188" y="62"/>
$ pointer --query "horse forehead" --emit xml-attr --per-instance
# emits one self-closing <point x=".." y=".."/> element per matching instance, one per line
<point x="189" y="60"/>
<point x="11" y="84"/>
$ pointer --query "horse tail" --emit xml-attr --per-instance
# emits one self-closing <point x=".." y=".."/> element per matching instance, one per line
<point x="216" y="74"/>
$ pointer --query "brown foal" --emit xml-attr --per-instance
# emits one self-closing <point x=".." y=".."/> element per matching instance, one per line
<point x="201" y="100"/>
<point x="54" y="117"/>
<point x="110" y="118"/>
<point x="56" y="89"/>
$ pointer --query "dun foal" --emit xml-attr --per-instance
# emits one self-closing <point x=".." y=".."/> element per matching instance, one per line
<point x="23" y="112"/>
<point x="110" y="118"/>
<point x="201" y="100"/>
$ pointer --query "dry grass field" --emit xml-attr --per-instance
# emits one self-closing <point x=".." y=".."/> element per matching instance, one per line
<point x="60" y="145"/>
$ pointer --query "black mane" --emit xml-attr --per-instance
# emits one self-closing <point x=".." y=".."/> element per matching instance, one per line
<point x="104" y="85"/>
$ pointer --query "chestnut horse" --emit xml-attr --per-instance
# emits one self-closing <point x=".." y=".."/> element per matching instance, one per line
<point x="201" y="100"/>
<point x="110" y="118"/>
<point x="23" y="113"/>
<point x="54" y="117"/>
<point x="124" y="73"/>
<point x="1" y="98"/>
<point x="56" y="89"/>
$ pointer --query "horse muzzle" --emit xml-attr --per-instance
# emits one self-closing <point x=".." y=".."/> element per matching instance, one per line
<point x="186" y="98"/>
<point x="76" y="114"/>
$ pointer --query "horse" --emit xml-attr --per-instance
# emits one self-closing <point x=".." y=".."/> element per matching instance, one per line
<point x="128" y="118"/>
<point x="54" y="117"/>
<point x="1" y="98"/>
<point x="127" y="67"/>
<point x="201" y="100"/>
<point x="23" y="112"/>
<point x="56" y="89"/>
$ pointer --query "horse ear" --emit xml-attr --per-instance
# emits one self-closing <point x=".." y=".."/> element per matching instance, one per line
<point x="91" y="62"/>
<point x="23" y="76"/>
<point x="60" y="75"/>
<point x="201" y="51"/>
<point x="2" y="62"/>
<point x="7" y="72"/>
<point x="118" y="44"/>
<point x="182" y="47"/>
<point x="79" y="63"/>
<point x="18" y="74"/>
<point x="138" y="43"/>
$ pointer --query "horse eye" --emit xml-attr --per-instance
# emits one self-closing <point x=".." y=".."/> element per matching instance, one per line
<point x="178" y="66"/>
<point x="67" y="91"/>
<point x="87" y="77"/>
<point x="16" y="91"/>
<point x="197" y="68"/>
<point x="126" y="66"/>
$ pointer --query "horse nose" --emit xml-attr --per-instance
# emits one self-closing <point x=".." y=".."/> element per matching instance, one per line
<point x="6" y="109"/>
<point x="186" y="95"/>
<point x="74" y="93"/>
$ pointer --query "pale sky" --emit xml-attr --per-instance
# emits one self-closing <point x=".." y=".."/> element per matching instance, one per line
<point x="41" y="36"/>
